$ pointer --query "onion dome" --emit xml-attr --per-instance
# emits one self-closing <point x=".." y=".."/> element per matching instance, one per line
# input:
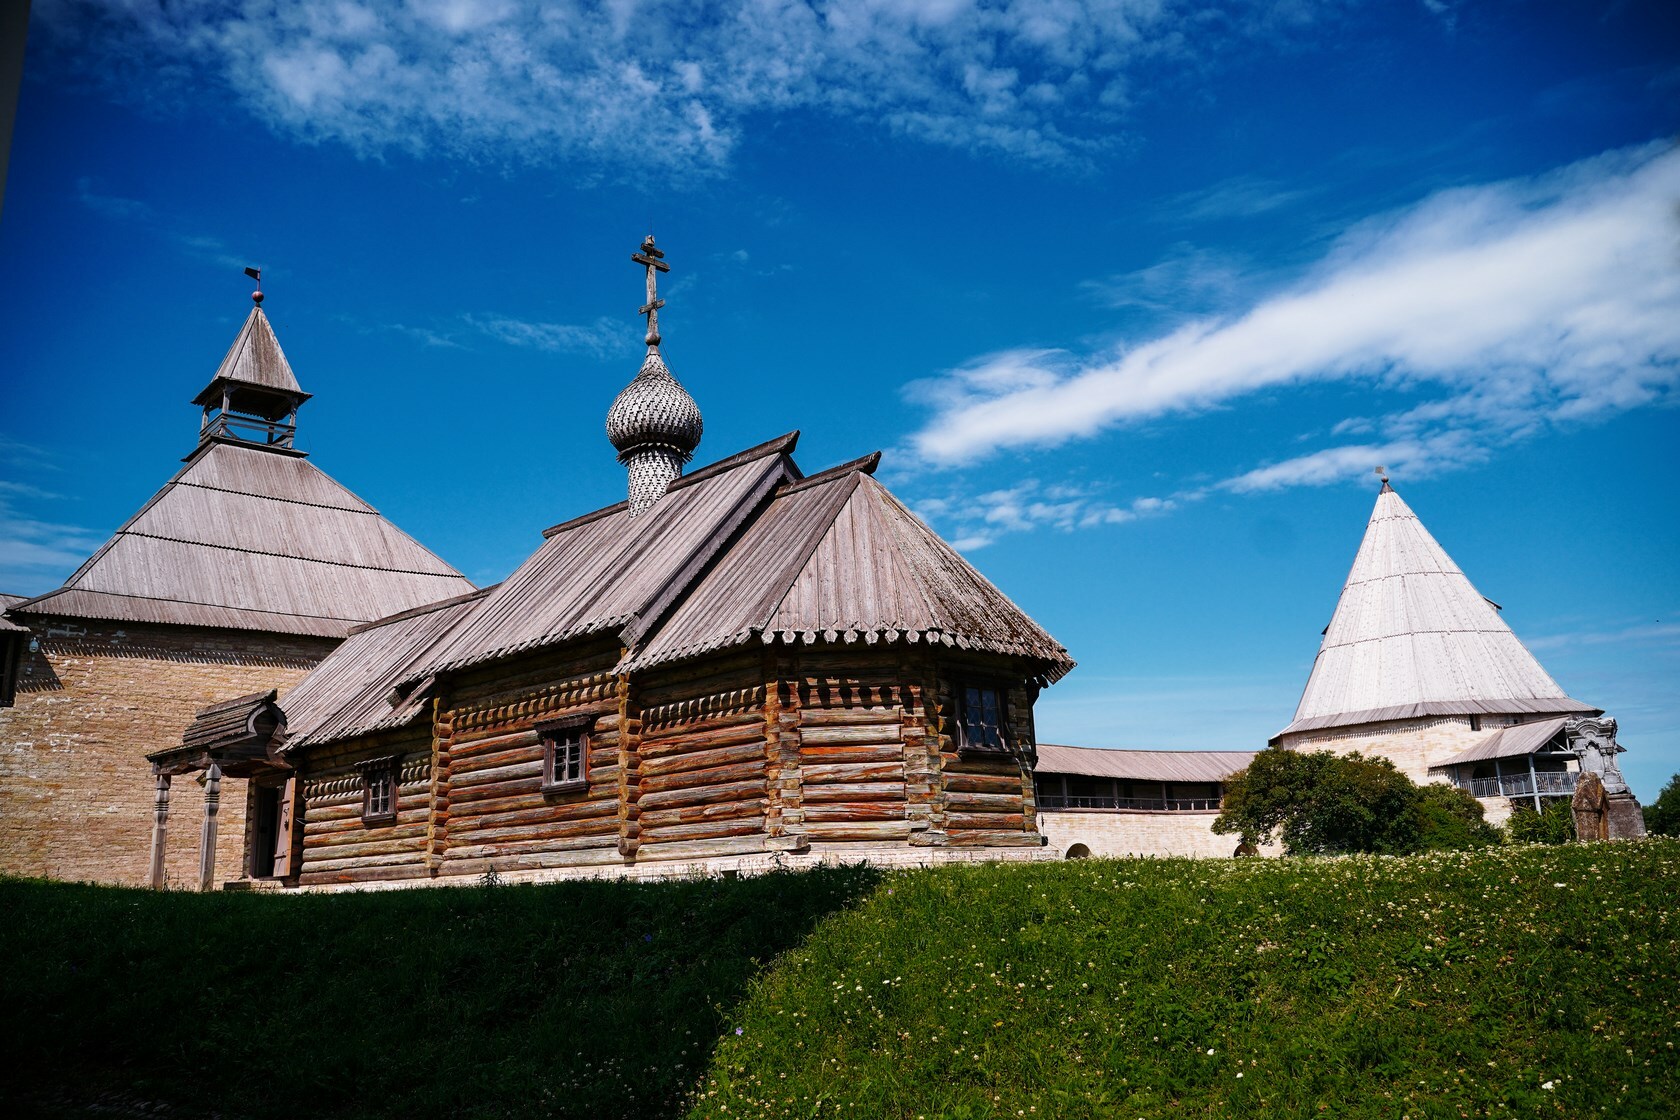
<point x="654" y="411"/>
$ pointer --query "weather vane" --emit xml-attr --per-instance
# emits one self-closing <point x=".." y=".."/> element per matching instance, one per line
<point x="654" y="261"/>
<point x="256" y="274"/>
<point x="1382" y="473"/>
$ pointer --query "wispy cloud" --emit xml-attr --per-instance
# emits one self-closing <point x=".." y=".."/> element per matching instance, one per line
<point x="111" y="206"/>
<point x="1508" y="308"/>
<point x="1244" y="196"/>
<point x="672" y="83"/>
<point x="35" y="553"/>
<point x="1655" y="633"/>
<point x="978" y="520"/>
<point x="603" y="338"/>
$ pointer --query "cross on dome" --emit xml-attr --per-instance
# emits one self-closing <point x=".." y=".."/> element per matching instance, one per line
<point x="654" y="261"/>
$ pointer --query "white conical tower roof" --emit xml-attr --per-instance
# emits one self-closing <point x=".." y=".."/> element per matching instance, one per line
<point x="1413" y="637"/>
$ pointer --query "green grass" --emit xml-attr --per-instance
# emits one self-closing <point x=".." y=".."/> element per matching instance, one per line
<point x="1447" y="985"/>
<point x="579" y="999"/>
<point x="1514" y="982"/>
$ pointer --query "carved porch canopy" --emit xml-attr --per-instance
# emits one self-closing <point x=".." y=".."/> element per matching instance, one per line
<point x="241" y="736"/>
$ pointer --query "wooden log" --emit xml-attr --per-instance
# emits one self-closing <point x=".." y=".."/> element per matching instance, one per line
<point x="492" y="760"/>
<point x="497" y="791"/>
<point x="956" y="822"/>
<point x="686" y="740"/>
<point x="858" y="830"/>
<point x="574" y="811"/>
<point x="825" y="773"/>
<point x="601" y="826"/>
<point x="700" y="849"/>
<point x="983" y="764"/>
<point x="983" y="802"/>
<point x="337" y="861"/>
<point x="855" y="791"/>
<point x="705" y="725"/>
<point x="966" y="838"/>
<point x="703" y="760"/>
<point x="893" y="752"/>
<point x="704" y="795"/>
<point x="354" y="824"/>
<point x="689" y="779"/>
<point x="983" y="783"/>
<point x="469" y="744"/>
<point x="704" y="830"/>
<point x="366" y="836"/>
<point x="873" y="734"/>
<point x="855" y="811"/>
<point x="608" y="840"/>
<point x="364" y="875"/>
<point x="812" y="718"/>
<point x="691" y="814"/>
<point x="501" y="773"/>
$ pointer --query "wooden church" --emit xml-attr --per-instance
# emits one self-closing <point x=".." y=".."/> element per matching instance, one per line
<point x="247" y="568"/>
<point x="737" y="667"/>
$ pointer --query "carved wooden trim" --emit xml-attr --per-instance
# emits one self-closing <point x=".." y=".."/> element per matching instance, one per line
<point x="597" y="688"/>
<point x="704" y="707"/>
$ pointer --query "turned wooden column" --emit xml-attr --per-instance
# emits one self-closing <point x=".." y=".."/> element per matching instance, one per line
<point x="160" y="827"/>
<point x="207" y="837"/>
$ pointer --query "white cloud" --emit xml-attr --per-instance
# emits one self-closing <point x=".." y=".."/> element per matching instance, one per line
<point x="603" y="338"/>
<point x="667" y="83"/>
<point x="978" y="520"/>
<point x="1512" y="306"/>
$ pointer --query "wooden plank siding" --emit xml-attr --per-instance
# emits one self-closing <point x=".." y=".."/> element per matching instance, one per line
<point x="852" y="749"/>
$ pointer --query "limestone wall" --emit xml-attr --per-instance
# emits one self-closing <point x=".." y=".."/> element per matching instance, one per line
<point x="76" y="792"/>
<point x="1135" y="833"/>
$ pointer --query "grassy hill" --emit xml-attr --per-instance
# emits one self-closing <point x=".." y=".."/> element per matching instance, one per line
<point x="1520" y="982"/>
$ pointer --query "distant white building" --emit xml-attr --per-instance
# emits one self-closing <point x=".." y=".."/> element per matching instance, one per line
<point x="1094" y="802"/>
<point x="1418" y="667"/>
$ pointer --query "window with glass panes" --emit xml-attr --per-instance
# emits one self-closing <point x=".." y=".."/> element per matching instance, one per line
<point x="379" y="797"/>
<point x="565" y="757"/>
<point x="981" y="719"/>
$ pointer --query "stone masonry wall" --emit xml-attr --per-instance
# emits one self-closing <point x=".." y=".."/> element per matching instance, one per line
<point x="76" y="792"/>
<point x="1136" y="833"/>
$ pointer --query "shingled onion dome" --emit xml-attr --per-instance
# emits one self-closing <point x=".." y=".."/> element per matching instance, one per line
<point x="654" y="424"/>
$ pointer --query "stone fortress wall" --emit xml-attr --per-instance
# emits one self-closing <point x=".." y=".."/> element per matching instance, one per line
<point x="76" y="791"/>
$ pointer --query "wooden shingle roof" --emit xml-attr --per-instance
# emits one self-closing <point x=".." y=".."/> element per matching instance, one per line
<point x="249" y="538"/>
<point x="1412" y="637"/>
<point x="255" y="358"/>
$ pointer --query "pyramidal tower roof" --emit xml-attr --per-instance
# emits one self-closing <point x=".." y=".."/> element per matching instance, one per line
<point x="249" y="535"/>
<point x="1412" y="637"/>
<point x="255" y="358"/>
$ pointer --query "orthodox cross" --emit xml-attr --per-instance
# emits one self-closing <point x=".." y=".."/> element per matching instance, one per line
<point x="654" y="261"/>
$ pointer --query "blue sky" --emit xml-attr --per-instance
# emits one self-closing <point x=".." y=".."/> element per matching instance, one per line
<point x="1133" y="294"/>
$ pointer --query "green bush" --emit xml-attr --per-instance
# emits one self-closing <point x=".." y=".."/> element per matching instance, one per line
<point x="1553" y="824"/>
<point x="1323" y="803"/>
<point x="1662" y="816"/>
<point x="1450" y="820"/>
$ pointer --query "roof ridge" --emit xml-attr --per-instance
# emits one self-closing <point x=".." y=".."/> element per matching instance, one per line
<point x="781" y="445"/>
<point x="184" y="602"/>
<point x="424" y="608"/>
<point x="863" y="464"/>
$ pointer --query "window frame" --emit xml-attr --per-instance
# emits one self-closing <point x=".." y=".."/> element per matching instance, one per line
<point x="377" y="771"/>
<point x="565" y="731"/>
<point x="1004" y="745"/>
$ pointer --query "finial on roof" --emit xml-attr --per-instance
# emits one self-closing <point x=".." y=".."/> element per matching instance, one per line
<point x="654" y="261"/>
<point x="256" y="274"/>
<point x="654" y="424"/>
<point x="1382" y="473"/>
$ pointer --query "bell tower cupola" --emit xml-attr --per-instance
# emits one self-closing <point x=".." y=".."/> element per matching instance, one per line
<point x="654" y="424"/>
<point x="254" y="397"/>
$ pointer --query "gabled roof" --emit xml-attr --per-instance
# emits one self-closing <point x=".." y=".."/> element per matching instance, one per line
<point x="7" y="602"/>
<point x="837" y="557"/>
<point x="1145" y="766"/>
<point x="607" y="572"/>
<point x="247" y="539"/>
<point x="1412" y="637"/>
<point x="233" y="733"/>
<point x="255" y="358"/>
<point x="354" y="689"/>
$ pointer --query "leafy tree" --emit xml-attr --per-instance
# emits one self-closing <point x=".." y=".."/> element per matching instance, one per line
<point x="1451" y="820"/>
<point x="1553" y="824"/>
<point x="1323" y="802"/>
<point x="1662" y="816"/>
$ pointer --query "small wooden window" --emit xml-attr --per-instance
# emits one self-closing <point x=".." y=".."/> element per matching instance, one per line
<point x="379" y="793"/>
<point x="565" y="757"/>
<point x="980" y="719"/>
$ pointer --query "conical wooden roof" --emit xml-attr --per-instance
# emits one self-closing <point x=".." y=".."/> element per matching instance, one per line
<point x="1412" y="636"/>
<point x="249" y="538"/>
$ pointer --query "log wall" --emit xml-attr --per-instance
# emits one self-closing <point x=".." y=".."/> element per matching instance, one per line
<point x="338" y="846"/>
<point x="985" y="800"/>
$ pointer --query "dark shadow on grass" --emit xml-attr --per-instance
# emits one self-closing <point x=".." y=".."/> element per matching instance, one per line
<point x="597" y="999"/>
